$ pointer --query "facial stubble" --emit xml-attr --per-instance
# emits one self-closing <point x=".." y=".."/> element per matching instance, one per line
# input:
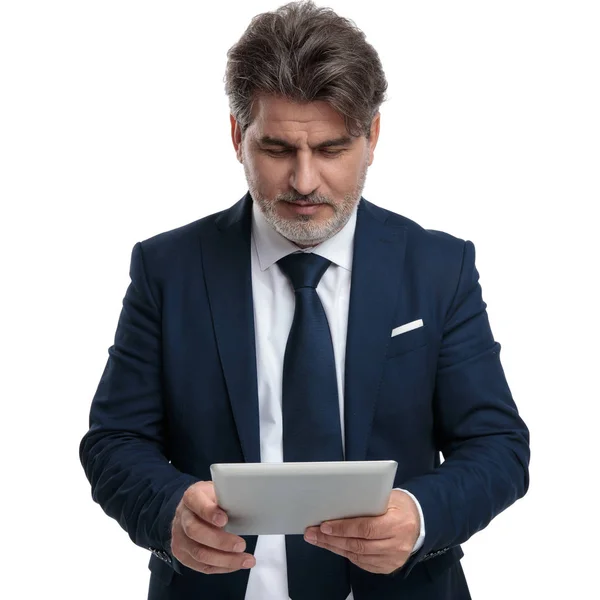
<point x="304" y="229"/>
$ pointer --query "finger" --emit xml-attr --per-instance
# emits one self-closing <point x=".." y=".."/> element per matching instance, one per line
<point x="186" y="559"/>
<point x="189" y="562"/>
<point x="359" y="546"/>
<point x="368" y="528"/>
<point x="198" y="557"/>
<point x="207" y="570"/>
<point x="373" y="564"/>
<point x="201" y="500"/>
<point x="203" y="555"/>
<point x="204" y="533"/>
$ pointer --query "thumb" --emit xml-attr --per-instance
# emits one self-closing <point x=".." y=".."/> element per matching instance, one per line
<point x="201" y="499"/>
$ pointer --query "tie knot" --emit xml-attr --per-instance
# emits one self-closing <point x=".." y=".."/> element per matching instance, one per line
<point x="304" y="269"/>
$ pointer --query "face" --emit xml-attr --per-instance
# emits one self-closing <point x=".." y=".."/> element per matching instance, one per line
<point x="303" y="169"/>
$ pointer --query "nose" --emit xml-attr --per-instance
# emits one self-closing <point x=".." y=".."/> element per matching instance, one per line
<point x="305" y="177"/>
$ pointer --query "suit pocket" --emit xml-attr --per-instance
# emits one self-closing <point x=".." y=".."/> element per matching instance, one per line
<point x="161" y="570"/>
<point x="410" y="340"/>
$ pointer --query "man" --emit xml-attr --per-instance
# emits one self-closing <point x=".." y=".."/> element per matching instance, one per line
<point x="305" y="323"/>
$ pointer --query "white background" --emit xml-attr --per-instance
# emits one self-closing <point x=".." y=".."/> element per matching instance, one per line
<point x="114" y="127"/>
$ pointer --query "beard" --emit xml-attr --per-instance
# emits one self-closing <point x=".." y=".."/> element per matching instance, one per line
<point x="306" y="230"/>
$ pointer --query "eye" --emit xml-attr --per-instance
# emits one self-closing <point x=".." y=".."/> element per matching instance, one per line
<point x="286" y="152"/>
<point x="277" y="152"/>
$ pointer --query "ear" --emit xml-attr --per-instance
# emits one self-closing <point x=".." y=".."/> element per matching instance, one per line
<point x="236" y="137"/>
<point x="374" y="136"/>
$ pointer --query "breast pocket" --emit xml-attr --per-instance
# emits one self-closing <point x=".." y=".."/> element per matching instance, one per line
<point x="408" y="341"/>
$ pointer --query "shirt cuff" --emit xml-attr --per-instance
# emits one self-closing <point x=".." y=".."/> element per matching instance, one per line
<point x="421" y="537"/>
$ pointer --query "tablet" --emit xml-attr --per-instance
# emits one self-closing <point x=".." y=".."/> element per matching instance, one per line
<point x="286" y="498"/>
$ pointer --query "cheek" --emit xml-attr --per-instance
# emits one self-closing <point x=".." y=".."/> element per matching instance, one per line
<point x="269" y="175"/>
<point x="343" y="176"/>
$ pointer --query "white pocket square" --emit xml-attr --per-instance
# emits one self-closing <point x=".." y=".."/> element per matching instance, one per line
<point x="407" y="327"/>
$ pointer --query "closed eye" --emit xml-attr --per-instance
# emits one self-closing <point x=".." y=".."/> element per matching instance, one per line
<point x="277" y="152"/>
<point x="324" y="152"/>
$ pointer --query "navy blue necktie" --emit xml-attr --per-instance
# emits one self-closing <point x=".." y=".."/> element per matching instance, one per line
<point x="311" y="421"/>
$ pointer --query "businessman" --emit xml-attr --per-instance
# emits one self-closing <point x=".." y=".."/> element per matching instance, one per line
<point x="305" y="323"/>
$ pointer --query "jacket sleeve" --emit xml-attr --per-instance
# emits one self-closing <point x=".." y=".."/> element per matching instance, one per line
<point x="124" y="453"/>
<point x="484" y="442"/>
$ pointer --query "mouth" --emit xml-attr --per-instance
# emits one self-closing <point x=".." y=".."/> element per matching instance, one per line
<point x="304" y="203"/>
<point x="304" y="208"/>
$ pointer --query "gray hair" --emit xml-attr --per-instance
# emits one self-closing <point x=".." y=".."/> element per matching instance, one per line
<point x="305" y="53"/>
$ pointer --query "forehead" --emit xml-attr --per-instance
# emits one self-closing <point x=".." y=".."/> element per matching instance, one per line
<point x="280" y="116"/>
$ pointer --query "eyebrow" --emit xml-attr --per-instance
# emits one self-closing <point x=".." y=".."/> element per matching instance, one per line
<point x="267" y="140"/>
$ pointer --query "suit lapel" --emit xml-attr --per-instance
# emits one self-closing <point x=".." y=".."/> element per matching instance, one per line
<point x="377" y="268"/>
<point x="227" y="268"/>
<point x="378" y="262"/>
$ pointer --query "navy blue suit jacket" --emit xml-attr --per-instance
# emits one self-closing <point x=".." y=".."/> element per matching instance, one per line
<point x="179" y="392"/>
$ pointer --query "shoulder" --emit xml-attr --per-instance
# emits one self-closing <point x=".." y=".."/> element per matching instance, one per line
<point x="419" y="239"/>
<point x="177" y="246"/>
<point x="433" y="260"/>
<point x="182" y="236"/>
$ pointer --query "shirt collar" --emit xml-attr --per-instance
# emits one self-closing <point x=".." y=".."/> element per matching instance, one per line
<point x="272" y="246"/>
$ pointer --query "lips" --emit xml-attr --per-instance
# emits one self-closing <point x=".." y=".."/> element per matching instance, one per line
<point x="304" y="208"/>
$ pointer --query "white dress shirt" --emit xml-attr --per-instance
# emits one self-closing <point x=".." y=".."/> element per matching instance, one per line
<point x="274" y="304"/>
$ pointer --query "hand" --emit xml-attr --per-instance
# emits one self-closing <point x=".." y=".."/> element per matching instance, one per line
<point x="197" y="540"/>
<point x="376" y="544"/>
